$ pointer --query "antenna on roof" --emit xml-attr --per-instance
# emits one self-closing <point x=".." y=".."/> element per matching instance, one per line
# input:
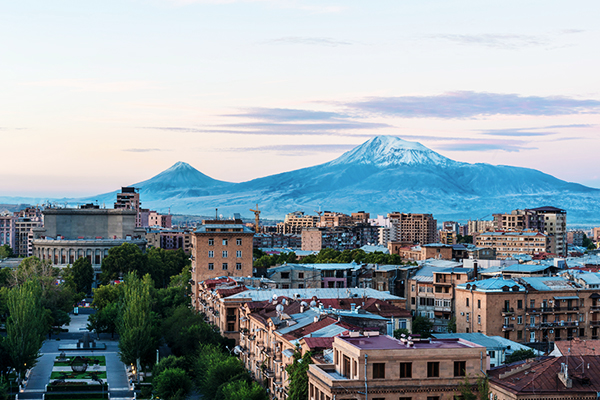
<point x="216" y="213"/>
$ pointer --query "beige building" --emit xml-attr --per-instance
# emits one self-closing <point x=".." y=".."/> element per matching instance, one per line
<point x="295" y="222"/>
<point x="511" y="243"/>
<point x="332" y="219"/>
<point x="380" y="367"/>
<point x="479" y="226"/>
<point x="412" y="228"/>
<point x="528" y="309"/>
<point x="221" y="248"/>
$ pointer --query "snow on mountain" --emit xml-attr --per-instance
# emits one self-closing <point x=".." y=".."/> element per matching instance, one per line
<point x="386" y="151"/>
<point x="382" y="175"/>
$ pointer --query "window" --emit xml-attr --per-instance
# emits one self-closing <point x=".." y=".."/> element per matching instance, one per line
<point x="238" y="266"/>
<point x="433" y="397"/>
<point x="460" y="368"/>
<point x="520" y="319"/>
<point x="413" y="301"/>
<point x="532" y="303"/>
<point x="467" y="302"/>
<point x="479" y="319"/>
<point x="412" y="288"/>
<point x="467" y="317"/>
<point x="224" y="266"/>
<point x="224" y="253"/>
<point x="225" y="242"/>
<point x="211" y="242"/>
<point x="405" y="398"/>
<point x="300" y="275"/>
<point x="211" y="266"/>
<point x="378" y="370"/>
<point x="211" y="254"/>
<point x="492" y="353"/>
<point x="433" y="369"/>
<point x="478" y="303"/>
<point x="238" y="241"/>
<point x="285" y="275"/>
<point x="285" y="286"/>
<point x="406" y="370"/>
<point x="238" y="254"/>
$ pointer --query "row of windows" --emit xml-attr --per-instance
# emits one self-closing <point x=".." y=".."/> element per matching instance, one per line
<point x="211" y="242"/>
<point x="433" y="369"/>
<point x="211" y="254"/>
<point x="224" y="266"/>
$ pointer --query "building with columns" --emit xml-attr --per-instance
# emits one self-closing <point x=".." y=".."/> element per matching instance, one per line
<point x="71" y="233"/>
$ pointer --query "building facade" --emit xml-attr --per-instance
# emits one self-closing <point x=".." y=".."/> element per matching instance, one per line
<point x="512" y="243"/>
<point x="412" y="228"/>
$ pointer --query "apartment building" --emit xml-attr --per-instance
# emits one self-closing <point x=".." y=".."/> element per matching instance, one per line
<point x="339" y="237"/>
<point x="575" y="238"/>
<point x="169" y="239"/>
<point x="432" y="293"/>
<point x="375" y="366"/>
<point x="129" y="199"/>
<point x="7" y="229"/>
<point x="331" y="219"/>
<point x="277" y="240"/>
<point x="295" y="276"/>
<point x="528" y="309"/>
<point x="412" y="228"/>
<point x="551" y="221"/>
<point x="512" y="243"/>
<point x="478" y="226"/>
<point x="295" y="222"/>
<point x="221" y="248"/>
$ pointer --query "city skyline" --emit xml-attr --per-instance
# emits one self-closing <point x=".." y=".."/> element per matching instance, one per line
<point x="98" y="98"/>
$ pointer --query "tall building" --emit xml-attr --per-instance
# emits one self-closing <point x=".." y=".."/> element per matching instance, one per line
<point x="221" y="248"/>
<point x="7" y="229"/>
<point x="478" y="226"/>
<point x="295" y="222"/>
<point x="508" y="244"/>
<point x="551" y="221"/>
<point x="129" y="199"/>
<point x="25" y="221"/>
<point x="413" y="228"/>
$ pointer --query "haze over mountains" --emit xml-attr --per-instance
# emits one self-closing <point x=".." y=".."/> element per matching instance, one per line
<point x="382" y="175"/>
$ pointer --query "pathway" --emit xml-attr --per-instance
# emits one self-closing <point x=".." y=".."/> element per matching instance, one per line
<point x="115" y="369"/>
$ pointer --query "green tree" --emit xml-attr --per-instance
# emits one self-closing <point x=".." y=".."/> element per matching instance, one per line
<point x="169" y="362"/>
<point x="466" y="390"/>
<point x="242" y="390"/>
<point x="452" y="325"/>
<point x="33" y="267"/>
<point x="519" y="355"/>
<point x="123" y="259"/>
<point x="163" y="264"/>
<point x="135" y="326"/>
<point x="422" y="326"/>
<point x="298" y="375"/>
<point x="6" y="251"/>
<point x="82" y="273"/>
<point x="172" y="384"/>
<point x="25" y="327"/>
<point x="5" y="277"/>
<point x="105" y="320"/>
<point x="184" y="331"/>
<point x="222" y="372"/>
<point x="483" y="386"/>
<point x="399" y="332"/>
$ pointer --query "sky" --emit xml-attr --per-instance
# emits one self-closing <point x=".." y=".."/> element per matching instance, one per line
<point x="95" y="95"/>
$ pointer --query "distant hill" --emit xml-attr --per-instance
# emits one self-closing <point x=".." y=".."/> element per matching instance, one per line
<point x="382" y="175"/>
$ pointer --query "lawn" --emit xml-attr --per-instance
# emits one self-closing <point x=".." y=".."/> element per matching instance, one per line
<point x="78" y="375"/>
<point x="92" y="360"/>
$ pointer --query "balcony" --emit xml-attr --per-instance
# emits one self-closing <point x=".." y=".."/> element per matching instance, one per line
<point x="231" y="318"/>
<point x="510" y="327"/>
<point x="506" y="312"/>
<point x="595" y="309"/>
<point x="594" y="323"/>
<point x="532" y="310"/>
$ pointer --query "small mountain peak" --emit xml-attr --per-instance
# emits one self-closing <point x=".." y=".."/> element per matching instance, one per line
<point x="180" y="165"/>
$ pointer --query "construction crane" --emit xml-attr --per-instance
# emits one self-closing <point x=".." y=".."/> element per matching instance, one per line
<point x="319" y="213"/>
<point x="256" y="217"/>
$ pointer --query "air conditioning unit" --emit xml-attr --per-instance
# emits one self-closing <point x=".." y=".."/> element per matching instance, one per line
<point x="513" y="318"/>
<point x="551" y="330"/>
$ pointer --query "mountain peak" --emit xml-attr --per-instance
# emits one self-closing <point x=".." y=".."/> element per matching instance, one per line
<point x="390" y="150"/>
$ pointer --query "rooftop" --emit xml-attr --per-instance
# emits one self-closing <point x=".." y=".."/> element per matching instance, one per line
<point x="498" y="284"/>
<point x="319" y="293"/>
<point x="384" y="342"/>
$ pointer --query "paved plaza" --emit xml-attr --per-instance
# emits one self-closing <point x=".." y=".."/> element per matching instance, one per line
<point x="115" y="369"/>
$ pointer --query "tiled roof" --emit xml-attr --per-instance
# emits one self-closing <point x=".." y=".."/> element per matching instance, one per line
<point x="318" y="343"/>
<point x="229" y="292"/>
<point x="578" y="347"/>
<point x="541" y="377"/>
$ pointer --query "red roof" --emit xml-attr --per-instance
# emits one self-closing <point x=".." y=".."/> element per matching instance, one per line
<point x="318" y="343"/>
<point x="230" y="291"/>
<point x="578" y="347"/>
<point x="540" y="377"/>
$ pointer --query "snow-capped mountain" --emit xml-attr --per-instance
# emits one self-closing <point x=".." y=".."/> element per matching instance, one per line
<point x="385" y="151"/>
<point x="382" y="175"/>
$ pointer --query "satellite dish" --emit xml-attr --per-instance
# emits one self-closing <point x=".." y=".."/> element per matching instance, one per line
<point x="284" y="301"/>
<point x="304" y="304"/>
<point x="274" y="297"/>
<point x="279" y="308"/>
<point x="313" y="303"/>
<point x="221" y="216"/>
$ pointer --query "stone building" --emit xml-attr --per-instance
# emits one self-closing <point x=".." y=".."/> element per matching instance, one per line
<point x="221" y="248"/>
<point x="71" y="233"/>
<point x="384" y="368"/>
<point x="511" y="243"/>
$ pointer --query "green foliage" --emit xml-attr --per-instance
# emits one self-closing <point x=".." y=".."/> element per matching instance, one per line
<point x="123" y="259"/>
<point x="135" y="324"/>
<point x="184" y="331"/>
<point x="398" y="333"/>
<point x="464" y="239"/>
<point x="172" y="384"/>
<point x="329" y="256"/>
<point x="82" y="274"/>
<point x="34" y="268"/>
<point x="519" y="355"/>
<point x="452" y="325"/>
<point x="298" y="375"/>
<point x="163" y="264"/>
<point x="169" y="362"/>
<point x="466" y="390"/>
<point x="483" y="386"/>
<point x="6" y="251"/>
<point x="221" y="373"/>
<point x="241" y="390"/>
<point x="5" y="276"/>
<point x="25" y="326"/>
<point x="105" y="320"/>
<point x="422" y="326"/>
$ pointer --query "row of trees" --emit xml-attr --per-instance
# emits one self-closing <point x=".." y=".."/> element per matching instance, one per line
<point x="159" y="263"/>
<point x="328" y="256"/>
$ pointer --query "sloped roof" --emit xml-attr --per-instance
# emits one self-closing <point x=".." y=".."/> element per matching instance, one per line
<point x="578" y="347"/>
<point x="491" y="285"/>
